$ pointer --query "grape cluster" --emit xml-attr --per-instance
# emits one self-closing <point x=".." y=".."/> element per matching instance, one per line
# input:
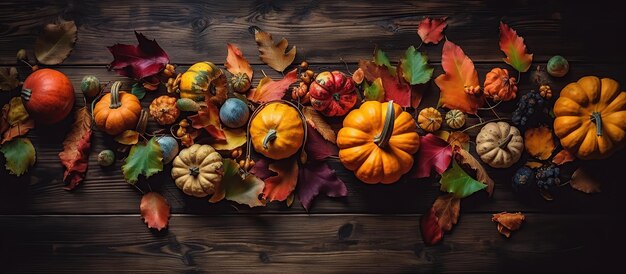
<point x="528" y="107"/>
<point x="547" y="177"/>
<point x="523" y="179"/>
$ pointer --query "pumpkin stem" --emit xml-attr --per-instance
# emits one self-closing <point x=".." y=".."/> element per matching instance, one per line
<point x="336" y="96"/>
<point x="382" y="139"/>
<point x="115" y="95"/>
<point x="194" y="171"/>
<point x="271" y="135"/>
<point x="505" y="142"/>
<point x="26" y="93"/>
<point x="596" y="117"/>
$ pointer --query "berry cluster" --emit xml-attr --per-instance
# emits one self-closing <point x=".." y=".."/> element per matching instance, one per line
<point x="548" y="177"/>
<point x="523" y="179"/>
<point x="528" y="109"/>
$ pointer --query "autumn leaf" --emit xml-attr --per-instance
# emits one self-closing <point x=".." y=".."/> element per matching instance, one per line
<point x="375" y="91"/>
<point x="465" y="158"/>
<point x="141" y="61"/>
<point x="17" y="130"/>
<point x="144" y="158"/>
<point x="581" y="181"/>
<point x="533" y="164"/>
<point x="19" y="154"/>
<point x="236" y="63"/>
<point x="415" y="68"/>
<point x="395" y="87"/>
<point x="564" y="156"/>
<point x="235" y="137"/>
<point x="56" y="42"/>
<point x="456" y="181"/>
<point x="138" y="90"/>
<point x="459" y="139"/>
<point x="539" y="142"/>
<point x="513" y="46"/>
<point x="8" y="79"/>
<point x="429" y="226"/>
<point x="128" y="137"/>
<point x="155" y="210"/>
<point x="273" y="54"/>
<point x="447" y="208"/>
<point x="237" y="189"/>
<point x="316" y="147"/>
<point x="317" y="122"/>
<point x="15" y="120"/>
<point x="459" y="74"/>
<point x="75" y="154"/>
<point x="278" y="188"/>
<point x="434" y="154"/>
<point x="318" y="178"/>
<point x="261" y="168"/>
<point x="381" y="59"/>
<point x="270" y="90"/>
<point x="430" y="30"/>
<point x="208" y="118"/>
<point x="508" y="222"/>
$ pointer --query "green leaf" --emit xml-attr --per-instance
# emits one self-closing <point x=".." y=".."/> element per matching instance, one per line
<point x="381" y="59"/>
<point x="237" y="189"/>
<point x="456" y="181"/>
<point x="415" y="68"/>
<point x="144" y="158"/>
<point x="138" y="90"/>
<point x="20" y="155"/>
<point x="375" y="92"/>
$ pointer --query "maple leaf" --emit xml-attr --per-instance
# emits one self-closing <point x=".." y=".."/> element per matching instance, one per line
<point x="430" y="30"/>
<point x="381" y="59"/>
<point x="415" y="68"/>
<point x="155" y="210"/>
<point x="459" y="74"/>
<point x="395" y="87"/>
<point x="447" y="208"/>
<point x="141" y="61"/>
<point x="75" y="154"/>
<point x="235" y="137"/>
<point x="539" y="142"/>
<point x="456" y="181"/>
<point x="318" y="178"/>
<point x="208" y="117"/>
<point x="316" y="147"/>
<point x="581" y="181"/>
<point x="235" y="188"/>
<point x="236" y="63"/>
<point x="128" y="137"/>
<point x="465" y="158"/>
<point x="564" y="156"/>
<point x="273" y="54"/>
<point x="429" y="226"/>
<point x="8" y="79"/>
<point x="508" y="222"/>
<point x="19" y="154"/>
<point x="513" y="46"/>
<point x="270" y="90"/>
<point x="144" y="158"/>
<point x="434" y="154"/>
<point x="278" y="188"/>
<point x="317" y="122"/>
<point x="55" y="43"/>
<point x="375" y="91"/>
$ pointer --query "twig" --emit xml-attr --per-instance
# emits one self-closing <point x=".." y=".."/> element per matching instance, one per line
<point x="483" y="123"/>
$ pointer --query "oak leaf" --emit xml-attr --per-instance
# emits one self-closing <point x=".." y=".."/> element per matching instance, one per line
<point x="141" y="61"/>
<point x="317" y="122"/>
<point x="56" y="42"/>
<point x="236" y="63"/>
<point x="273" y="55"/>
<point x="508" y="222"/>
<point x="430" y="30"/>
<point x="75" y="154"/>
<point x="513" y="46"/>
<point x="581" y="181"/>
<point x="539" y="142"/>
<point x="280" y="186"/>
<point x="155" y="210"/>
<point x="270" y="90"/>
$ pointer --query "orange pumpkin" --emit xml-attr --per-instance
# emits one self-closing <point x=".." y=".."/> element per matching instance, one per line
<point x="48" y="96"/>
<point x="163" y="109"/>
<point x="277" y="129"/>
<point x="591" y="117"/>
<point x="117" y="111"/>
<point x="377" y="142"/>
<point x="499" y="86"/>
<point x="429" y="119"/>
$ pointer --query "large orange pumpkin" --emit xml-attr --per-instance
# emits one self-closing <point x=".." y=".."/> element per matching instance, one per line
<point x="117" y="111"/>
<point x="277" y="130"/>
<point x="591" y="117"/>
<point x="378" y="141"/>
<point x="48" y="96"/>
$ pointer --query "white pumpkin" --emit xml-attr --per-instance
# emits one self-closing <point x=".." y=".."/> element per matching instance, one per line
<point x="500" y="145"/>
<point x="455" y="118"/>
<point x="197" y="170"/>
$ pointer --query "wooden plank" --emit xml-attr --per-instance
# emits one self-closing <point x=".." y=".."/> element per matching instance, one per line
<point x="321" y="243"/>
<point x="104" y="190"/>
<point x="323" y="31"/>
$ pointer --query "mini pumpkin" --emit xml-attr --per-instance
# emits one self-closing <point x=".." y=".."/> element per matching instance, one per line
<point x="499" y="86"/>
<point x="455" y="118"/>
<point x="591" y="117"/>
<point x="378" y="141"/>
<point x="429" y="119"/>
<point x="90" y="86"/>
<point x="500" y="145"/>
<point x="163" y="109"/>
<point x="201" y="80"/>
<point x="117" y="111"/>
<point x="240" y="82"/>
<point x="48" y="96"/>
<point x="333" y="93"/>
<point x="197" y="170"/>
<point x="277" y="129"/>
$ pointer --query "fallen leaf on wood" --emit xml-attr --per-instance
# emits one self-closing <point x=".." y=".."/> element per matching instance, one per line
<point x="431" y="30"/>
<point x="316" y="147"/>
<point x="317" y="122"/>
<point x="75" y="154"/>
<point x="15" y="120"/>
<point x="318" y="178"/>
<point x="128" y="137"/>
<point x="261" y="168"/>
<point x="236" y="63"/>
<point x="429" y="226"/>
<point x="141" y="61"/>
<point x="459" y="139"/>
<point x="237" y="189"/>
<point x="539" y="142"/>
<point x="508" y="222"/>
<point x="19" y="154"/>
<point x="8" y="79"/>
<point x="415" y="68"/>
<point x="582" y="182"/>
<point x="395" y="87"/>
<point x="278" y="188"/>
<point x="144" y="158"/>
<point x="19" y="129"/>
<point x="270" y="90"/>
<point x="155" y="210"/>
<point x="465" y="158"/>
<point x="273" y="55"/>
<point x="434" y="154"/>
<point x="235" y="137"/>
<point x="513" y="46"/>
<point x="447" y="208"/>
<point x="56" y="42"/>
<point x="208" y="117"/>
<point x="564" y="156"/>
<point x="456" y="181"/>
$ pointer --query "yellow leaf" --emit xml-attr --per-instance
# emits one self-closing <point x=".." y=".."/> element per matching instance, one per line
<point x="508" y="222"/>
<point x="273" y="54"/>
<point x="128" y="137"/>
<point x="442" y="134"/>
<point x="533" y="164"/>
<point x="539" y="142"/>
<point x="459" y="139"/>
<point x="234" y="139"/>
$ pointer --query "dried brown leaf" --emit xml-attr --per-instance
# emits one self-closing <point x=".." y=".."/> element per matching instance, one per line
<point x="508" y="222"/>
<point x="315" y="120"/>
<point x="8" y="79"/>
<point x="56" y="42"/>
<point x="273" y="54"/>
<point x="582" y="182"/>
<point x="447" y="208"/>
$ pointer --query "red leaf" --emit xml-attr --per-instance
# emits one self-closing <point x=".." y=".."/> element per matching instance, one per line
<point x="429" y="226"/>
<point x="447" y="208"/>
<point x="236" y="63"/>
<point x="155" y="210"/>
<point x="316" y="178"/>
<point x="278" y="188"/>
<point x="270" y="90"/>
<point x="208" y="118"/>
<point x="396" y="88"/>
<point x="316" y="147"/>
<point x="141" y="61"/>
<point x="434" y="154"/>
<point x="430" y="30"/>
<point x="75" y="154"/>
<point x="513" y="46"/>
<point x="261" y="168"/>
<point x="564" y="156"/>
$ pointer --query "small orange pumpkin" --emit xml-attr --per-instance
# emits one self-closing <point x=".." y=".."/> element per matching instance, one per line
<point x="163" y="109"/>
<point x="499" y="86"/>
<point x="117" y="111"/>
<point x="277" y="129"/>
<point x="429" y="119"/>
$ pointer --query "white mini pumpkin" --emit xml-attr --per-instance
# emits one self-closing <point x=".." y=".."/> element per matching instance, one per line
<point x="500" y="145"/>
<point x="197" y="170"/>
<point x="455" y="118"/>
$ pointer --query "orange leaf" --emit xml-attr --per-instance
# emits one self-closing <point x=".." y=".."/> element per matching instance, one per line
<point x="513" y="46"/>
<point x="430" y="30"/>
<point x="236" y="63"/>
<point x="459" y="139"/>
<point x="155" y="210"/>
<point x="273" y="54"/>
<point x="447" y="209"/>
<point x="315" y="120"/>
<point x="581" y="181"/>
<point x="459" y="74"/>
<point x="75" y="154"/>
<point x="19" y="129"/>
<point x="270" y="90"/>
<point x="533" y="164"/>
<point x="395" y="87"/>
<point x="278" y="188"/>
<point x="508" y="222"/>
<point x="481" y="174"/>
<point x="128" y="137"/>
<point x="208" y="118"/>
<point x="539" y="142"/>
<point x="564" y="156"/>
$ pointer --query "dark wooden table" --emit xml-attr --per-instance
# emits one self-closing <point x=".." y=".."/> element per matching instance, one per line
<point x="97" y="227"/>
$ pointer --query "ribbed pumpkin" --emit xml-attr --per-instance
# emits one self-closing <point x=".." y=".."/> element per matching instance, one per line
<point x="378" y="141"/>
<point x="117" y="111"/>
<point x="499" y="86"/>
<point x="429" y="119"/>
<point x="455" y="118"/>
<point x="163" y="109"/>
<point x="277" y="130"/>
<point x="204" y="79"/>
<point x="48" y="96"/>
<point x="333" y="93"/>
<point x="240" y="82"/>
<point x="500" y="145"/>
<point x="591" y="117"/>
<point x="197" y="170"/>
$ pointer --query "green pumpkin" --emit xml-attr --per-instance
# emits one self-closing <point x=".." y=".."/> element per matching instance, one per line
<point x="240" y="82"/>
<point x="90" y="86"/>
